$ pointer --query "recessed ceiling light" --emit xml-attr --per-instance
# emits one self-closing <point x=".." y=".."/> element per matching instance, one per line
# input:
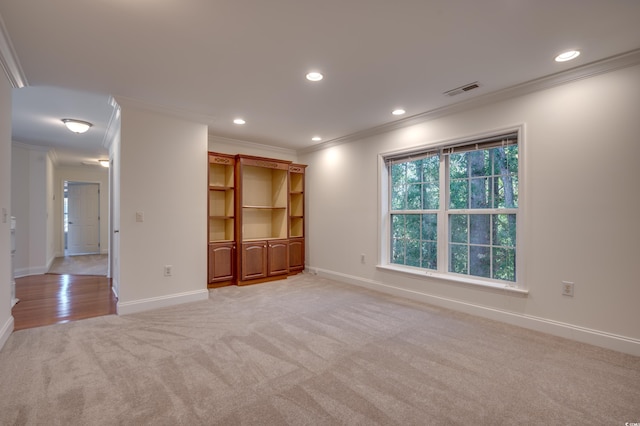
<point x="567" y="56"/>
<point x="316" y="138"/>
<point x="239" y="121"/>
<point x="314" y="76"/>
<point x="76" y="126"/>
<point x="398" y="111"/>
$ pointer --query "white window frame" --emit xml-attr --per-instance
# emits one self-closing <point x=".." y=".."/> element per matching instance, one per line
<point x="384" y="240"/>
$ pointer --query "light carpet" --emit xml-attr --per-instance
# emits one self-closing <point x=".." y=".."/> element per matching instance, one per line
<point x="86" y="264"/>
<point x="309" y="351"/>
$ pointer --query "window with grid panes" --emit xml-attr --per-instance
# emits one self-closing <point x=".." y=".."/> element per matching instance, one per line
<point x="454" y="209"/>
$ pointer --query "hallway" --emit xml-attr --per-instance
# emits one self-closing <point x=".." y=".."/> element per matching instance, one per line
<point x="51" y="299"/>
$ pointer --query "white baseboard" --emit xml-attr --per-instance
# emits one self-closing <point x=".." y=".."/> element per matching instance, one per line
<point x="6" y="331"/>
<point x="570" y="331"/>
<point x="124" y="308"/>
<point x="34" y="270"/>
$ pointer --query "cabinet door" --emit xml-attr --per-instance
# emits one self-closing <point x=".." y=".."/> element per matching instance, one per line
<point x="296" y="255"/>
<point x="278" y="257"/>
<point x="221" y="262"/>
<point x="254" y="260"/>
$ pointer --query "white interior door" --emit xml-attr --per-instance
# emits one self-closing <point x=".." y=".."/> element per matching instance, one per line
<point x="83" y="235"/>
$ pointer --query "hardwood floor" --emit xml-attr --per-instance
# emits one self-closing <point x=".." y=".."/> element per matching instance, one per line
<point x="51" y="299"/>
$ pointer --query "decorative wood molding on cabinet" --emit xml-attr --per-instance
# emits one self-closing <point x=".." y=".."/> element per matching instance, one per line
<point x="256" y="219"/>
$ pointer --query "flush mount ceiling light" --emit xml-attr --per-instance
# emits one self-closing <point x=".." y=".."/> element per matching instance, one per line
<point x="76" y="126"/>
<point x="239" y="121"/>
<point x="104" y="163"/>
<point x="398" y="111"/>
<point x="314" y="76"/>
<point x="567" y="56"/>
<point x="316" y="138"/>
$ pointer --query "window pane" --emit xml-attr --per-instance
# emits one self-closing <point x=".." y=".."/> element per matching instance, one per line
<point x="505" y="160"/>
<point x="504" y="264"/>
<point x="504" y="230"/>
<point x="430" y="196"/>
<point x="414" y="171"/>
<point x="430" y="227"/>
<point x="480" y="244"/>
<point x="506" y="192"/>
<point x="459" y="194"/>
<point x="458" y="258"/>
<point x="413" y="253"/>
<point x="479" y="163"/>
<point x="480" y="194"/>
<point x="430" y="255"/>
<point x="458" y="230"/>
<point x="414" y="197"/>
<point x="398" y="229"/>
<point x="412" y="223"/>
<point x="480" y="229"/>
<point x="398" y="186"/>
<point x="397" y="251"/>
<point x="480" y="261"/>
<point x="458" y="166"/>
<point x="431" y="169"/>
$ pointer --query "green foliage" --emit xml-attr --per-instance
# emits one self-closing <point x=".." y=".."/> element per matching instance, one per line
<point x="481" y="245"/>
<point x="414" y="240"/>
<point x="415" y="184"/>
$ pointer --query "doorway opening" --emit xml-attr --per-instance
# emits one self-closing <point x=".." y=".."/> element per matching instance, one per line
<point x="81" y="213"/>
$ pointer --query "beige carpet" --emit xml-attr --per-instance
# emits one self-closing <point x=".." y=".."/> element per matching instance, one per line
<point x="86" y="264"/>
<point x="309" y="351"/>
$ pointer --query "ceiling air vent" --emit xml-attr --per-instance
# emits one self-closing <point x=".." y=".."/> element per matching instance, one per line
<point x="462" y="89"/>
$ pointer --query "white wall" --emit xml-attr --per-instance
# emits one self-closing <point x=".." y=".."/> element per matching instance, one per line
<point x="32" y="205"/>
<point x="93" y="174"/>
<point x="163" y="175"/>
<point x="6" y="320"/>
<point x="580" y="217"/>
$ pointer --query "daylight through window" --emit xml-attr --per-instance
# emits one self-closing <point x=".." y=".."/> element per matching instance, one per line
<point x="454" y="209"/>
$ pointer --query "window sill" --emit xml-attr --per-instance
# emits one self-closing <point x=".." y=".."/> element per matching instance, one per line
<point x="458" y="279"/>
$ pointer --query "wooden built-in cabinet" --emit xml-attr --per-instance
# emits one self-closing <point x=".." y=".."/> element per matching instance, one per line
<point x="256" y="219"/>
<point x="221" y="220"/>
<point x="296" y="218"/>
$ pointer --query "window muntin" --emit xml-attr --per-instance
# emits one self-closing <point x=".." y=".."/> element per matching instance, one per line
<point x="472" y="191"/>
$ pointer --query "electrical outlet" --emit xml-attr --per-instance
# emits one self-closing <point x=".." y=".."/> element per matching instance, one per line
<point x="168" y="270"/>
<point x="567" y="288"/>
<point x="139" y="216"/>
<point x="362" y="258"/>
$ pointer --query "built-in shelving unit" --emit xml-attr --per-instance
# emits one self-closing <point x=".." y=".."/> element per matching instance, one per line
<point x="221" y="215"/>
<point x="256" y="219"/>
<point x="296" y="217"/>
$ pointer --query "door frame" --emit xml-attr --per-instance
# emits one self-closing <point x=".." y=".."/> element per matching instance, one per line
<point x="63" y="233"/>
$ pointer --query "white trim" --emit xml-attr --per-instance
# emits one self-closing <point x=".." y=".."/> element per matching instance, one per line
<point x="6" y="331"/>
<point x="113" y="124"/>
<point x="9" y="60"/>
<point x="600" y="338"/>
<point x="461" y="279"/>
<point x="125" y="308"/>
<point x="384" y="226"/>
<point x="212" y="138"/>
<point x="579" y="73"/>
<point x="31" y="270"/>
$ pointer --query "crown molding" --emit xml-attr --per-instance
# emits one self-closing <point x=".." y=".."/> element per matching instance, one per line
<point x="9" y="60"/>
<point x="251" y="145"/>
<point x="31" y="147"/>
<point x="126" y="102"/>
<point x="575" y="74"/>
